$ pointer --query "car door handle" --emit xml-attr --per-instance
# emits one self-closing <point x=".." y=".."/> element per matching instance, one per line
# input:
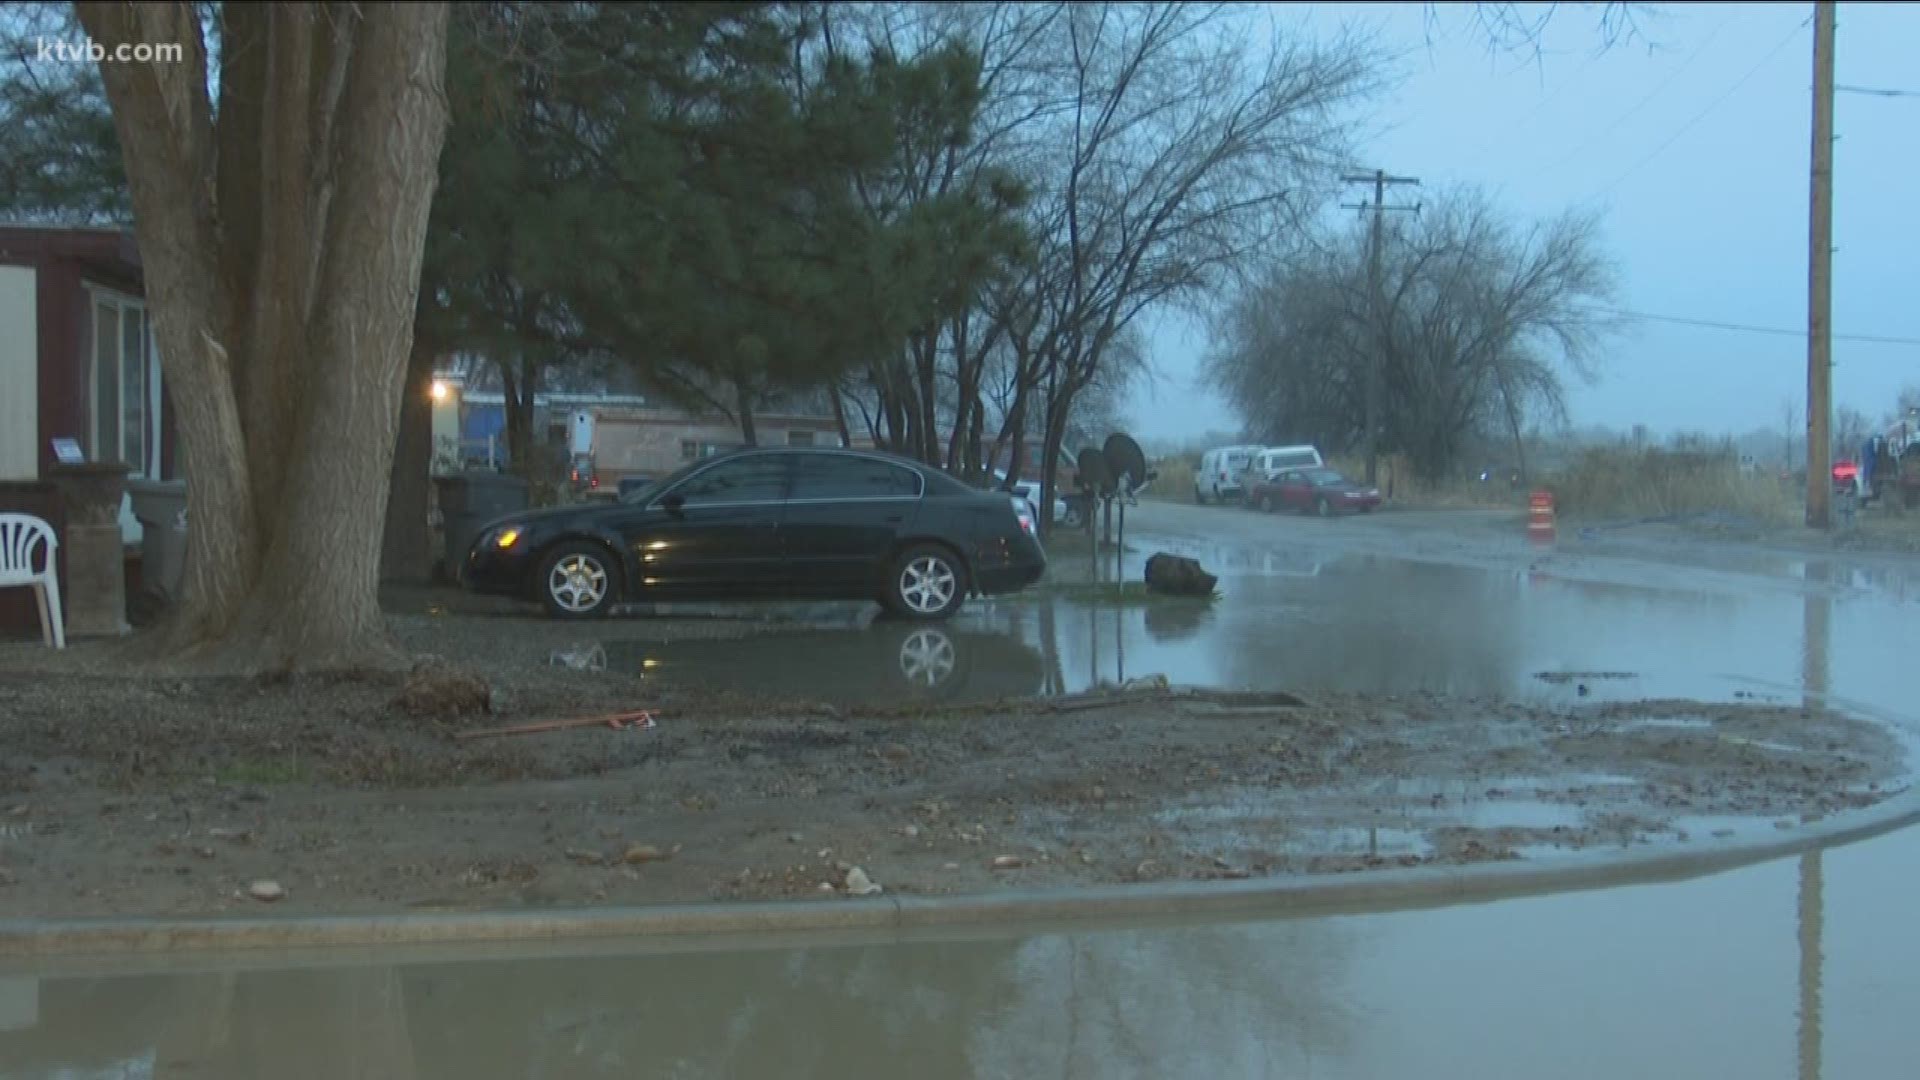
<point x="895" y="519"/>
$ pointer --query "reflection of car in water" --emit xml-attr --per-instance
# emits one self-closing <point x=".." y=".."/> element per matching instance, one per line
<point x="885" y="662"/>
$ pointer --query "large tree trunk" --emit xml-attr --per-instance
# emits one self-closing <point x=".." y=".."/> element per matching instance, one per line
<point x="286" y="344"/>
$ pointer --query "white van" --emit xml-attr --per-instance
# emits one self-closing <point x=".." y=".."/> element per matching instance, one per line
<point x="1277" y="459"/>
<point x="1223" y="473"/>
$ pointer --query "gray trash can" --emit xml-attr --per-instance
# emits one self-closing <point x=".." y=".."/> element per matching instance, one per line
<point x="468" y="501"/>
<point x="161" y="508"/>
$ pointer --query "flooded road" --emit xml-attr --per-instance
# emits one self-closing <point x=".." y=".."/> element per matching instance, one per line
<point x="1310" y="605"/>
<point x="1801" y="968"/>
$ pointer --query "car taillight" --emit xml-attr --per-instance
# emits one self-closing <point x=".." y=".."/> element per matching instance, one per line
<point x="1025" y="514"/>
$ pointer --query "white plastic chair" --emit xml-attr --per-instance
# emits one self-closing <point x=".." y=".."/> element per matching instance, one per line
<point x="21" y="535"/>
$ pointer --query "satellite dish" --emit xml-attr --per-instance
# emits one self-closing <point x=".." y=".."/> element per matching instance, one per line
<point x="1094" y="474"/>
<point x="1126" y="459"/>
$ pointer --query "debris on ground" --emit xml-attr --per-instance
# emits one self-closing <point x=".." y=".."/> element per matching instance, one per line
<point x="436" y="690"/>
<point x="266" y="891"/>
<point x="859" y="884"/>
<point x="1177" y="575"/>
<point x="641" y="853"/>
<point x="639" y="720"/>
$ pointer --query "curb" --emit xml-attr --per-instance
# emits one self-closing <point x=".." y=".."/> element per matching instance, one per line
<point x="120" y="941"/>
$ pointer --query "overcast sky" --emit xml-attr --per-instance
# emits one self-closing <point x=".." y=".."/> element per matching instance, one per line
<point x="1697" y="153"/>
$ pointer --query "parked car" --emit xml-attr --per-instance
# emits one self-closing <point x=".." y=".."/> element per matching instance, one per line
<point x="1275" y="460"/>
<point x="766" y="524"/>
<point x="1323" y="491"/>
<point x="1222" y="474"/>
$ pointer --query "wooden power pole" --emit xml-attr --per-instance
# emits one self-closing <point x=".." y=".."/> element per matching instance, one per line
<point x="1376" y="386"/>
<point x="1820" y="278"/>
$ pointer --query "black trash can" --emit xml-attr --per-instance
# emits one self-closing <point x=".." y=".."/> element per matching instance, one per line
<point x="468" y="502"/>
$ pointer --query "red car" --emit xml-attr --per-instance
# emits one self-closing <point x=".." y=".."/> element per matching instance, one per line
<point x="1323" y="491"/>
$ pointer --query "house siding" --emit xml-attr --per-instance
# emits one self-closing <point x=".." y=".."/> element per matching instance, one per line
<point x="19" y="372"/>
<point x="63" y="359"/>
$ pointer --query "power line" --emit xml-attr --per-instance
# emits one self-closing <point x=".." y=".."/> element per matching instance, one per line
<point x="1585" y="144"/>
<point x="1872" y="91"/>
<point x="1778" y="331"/>
<point x="1712" y="105"/>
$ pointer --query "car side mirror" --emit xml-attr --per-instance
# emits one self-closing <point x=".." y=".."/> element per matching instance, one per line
<point x="673" y="503"/>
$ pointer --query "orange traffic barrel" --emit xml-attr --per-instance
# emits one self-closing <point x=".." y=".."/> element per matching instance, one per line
<point x="1540" y="516"/>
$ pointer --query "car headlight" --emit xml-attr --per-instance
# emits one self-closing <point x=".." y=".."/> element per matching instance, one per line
<point x="507" y="538"/>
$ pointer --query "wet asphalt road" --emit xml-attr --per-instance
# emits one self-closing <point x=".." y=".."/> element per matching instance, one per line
<point x="1798" y="968"/>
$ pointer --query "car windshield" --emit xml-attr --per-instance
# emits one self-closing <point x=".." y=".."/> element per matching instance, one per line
<point x="1324" y="477"/>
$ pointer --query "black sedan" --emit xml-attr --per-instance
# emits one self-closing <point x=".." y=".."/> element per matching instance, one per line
<point x="769" y="525"/>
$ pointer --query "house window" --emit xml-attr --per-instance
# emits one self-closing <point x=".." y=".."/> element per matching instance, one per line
<point x="689" y="449"/>
<point x="122" y="383"/>
<point x="799" y="438"/>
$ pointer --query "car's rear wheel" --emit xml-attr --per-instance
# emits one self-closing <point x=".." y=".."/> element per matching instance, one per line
<point x="579" y="580"/>
<point x="1322" y="507"/>
<point x="1199" y="497"/>
<point x="1266" y="504"/>
<point x="926" y="582"/>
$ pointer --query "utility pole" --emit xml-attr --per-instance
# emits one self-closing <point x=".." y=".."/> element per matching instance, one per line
<point x="1820" y="277"/>
<point x="1376" y="388"/>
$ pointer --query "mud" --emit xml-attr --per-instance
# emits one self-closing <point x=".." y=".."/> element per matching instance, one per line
<point x="154" y="794"/>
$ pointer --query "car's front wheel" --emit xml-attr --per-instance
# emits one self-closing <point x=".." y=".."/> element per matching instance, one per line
<point x="927" y="582"/>
<point x="579" y="581"/>
<point x="1322" y="507"/>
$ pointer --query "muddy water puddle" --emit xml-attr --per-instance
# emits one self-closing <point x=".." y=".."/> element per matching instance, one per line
<point x="1323" y="620"/>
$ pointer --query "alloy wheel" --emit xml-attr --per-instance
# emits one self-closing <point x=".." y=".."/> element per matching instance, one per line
<point x="578" y="583"/>
<point x="927" y="585"/>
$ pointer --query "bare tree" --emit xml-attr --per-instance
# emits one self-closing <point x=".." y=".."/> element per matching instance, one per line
<point x="1522" y="28"/>
<point x="282" y="236"/>
<point x="1479" y="325"/>
<point x="1851" y="429"/>
<point x="1185" y="151"/>
<point x="1158" y="146"/>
